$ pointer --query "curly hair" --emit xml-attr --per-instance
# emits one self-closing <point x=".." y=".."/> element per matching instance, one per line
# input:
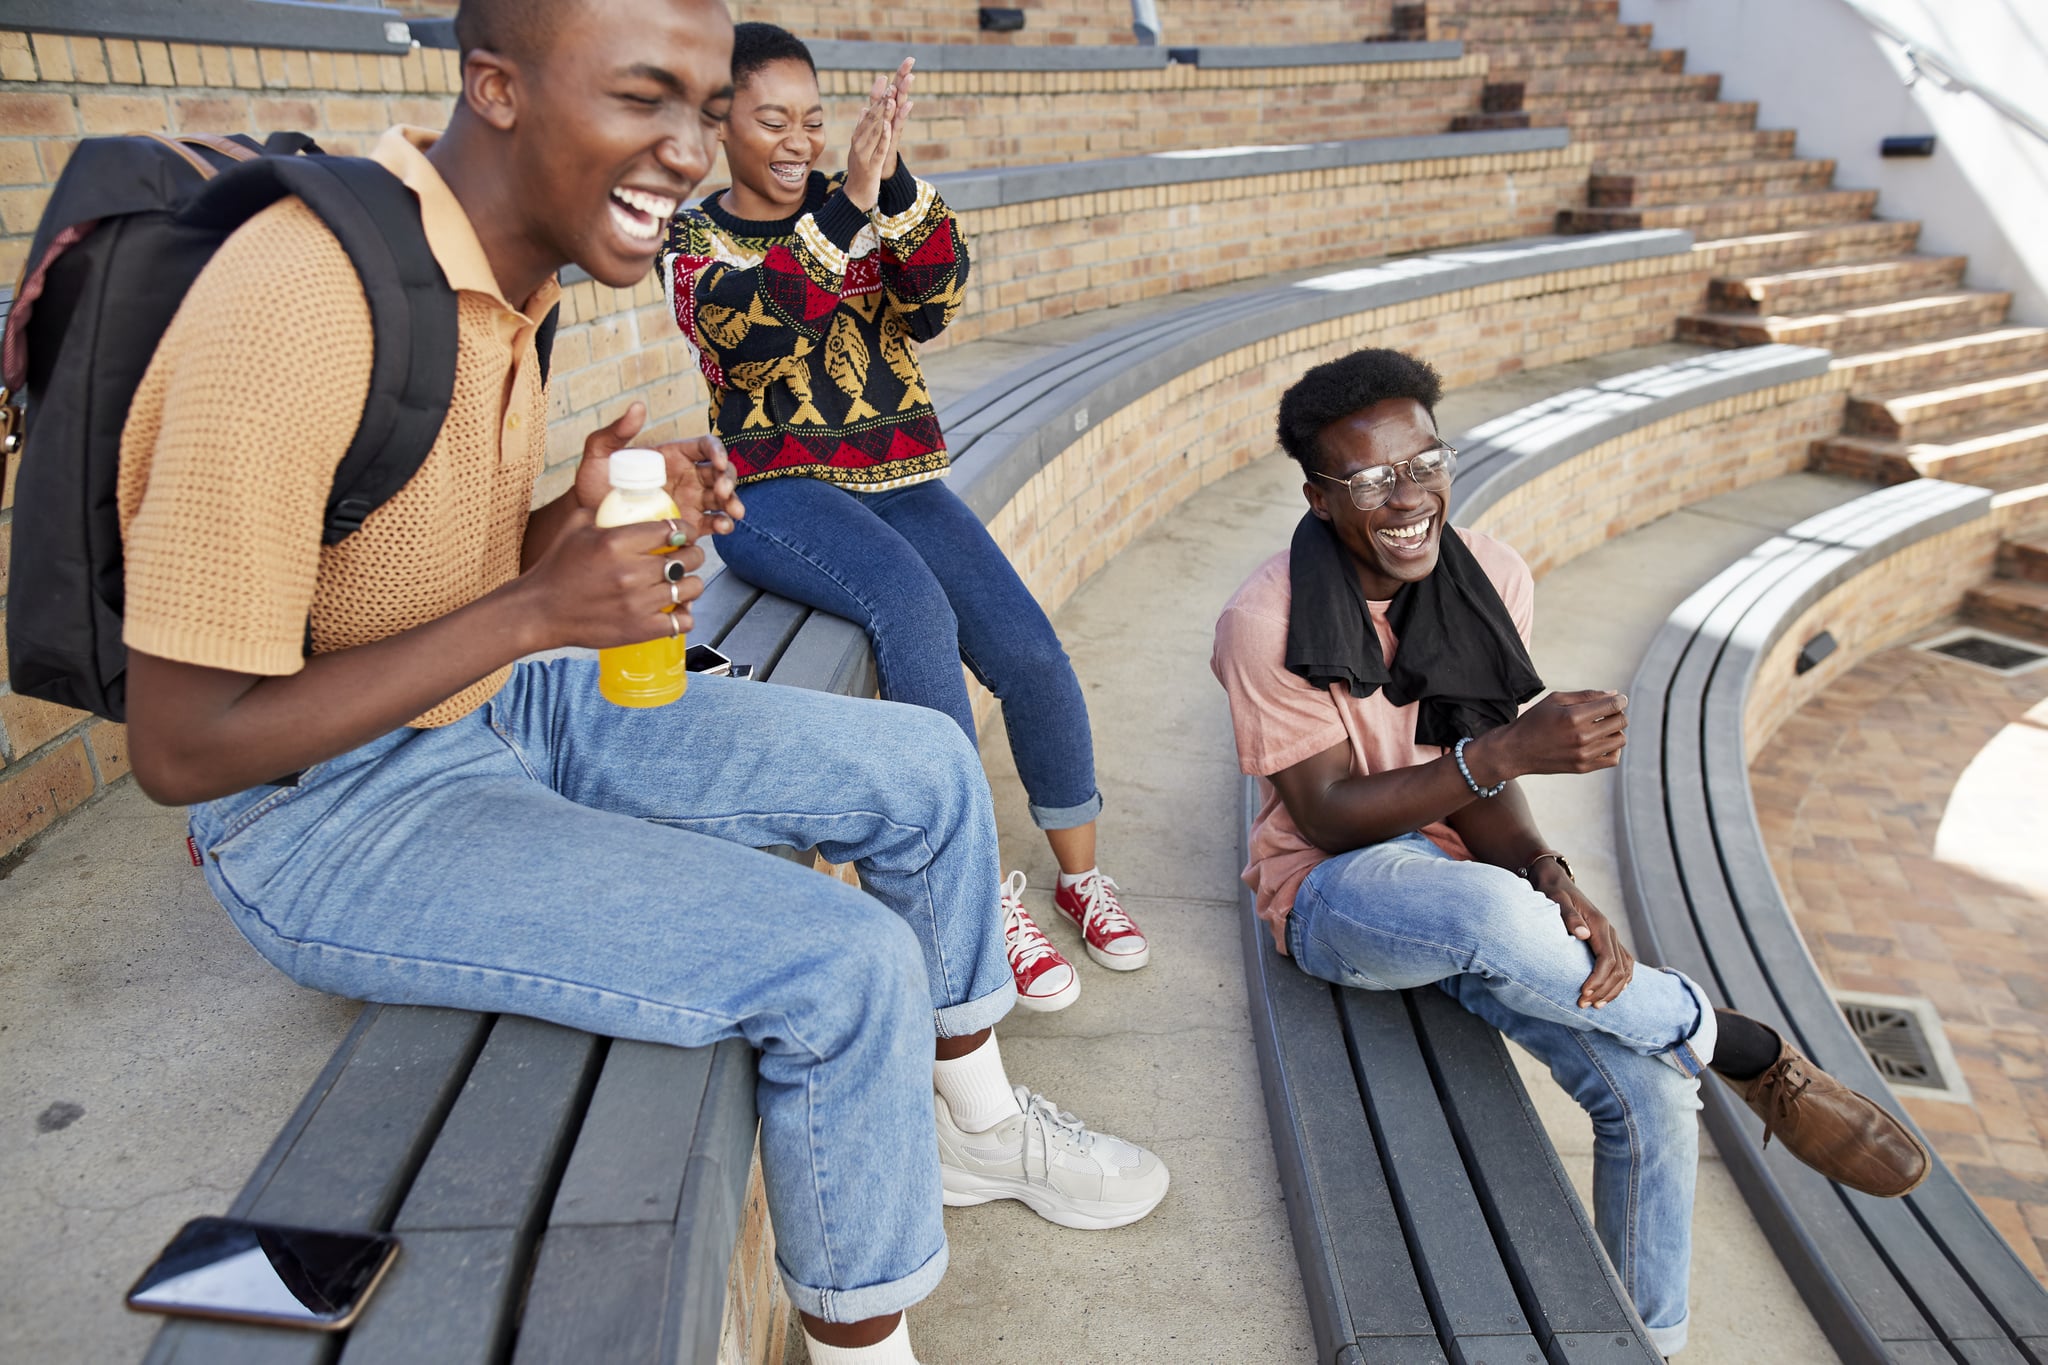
<point x="1335" y="389"/>
<point x="756" y="45"/>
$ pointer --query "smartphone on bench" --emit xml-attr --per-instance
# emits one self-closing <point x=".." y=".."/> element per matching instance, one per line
<point x="711" y="661"/>
<point x="239" y="1271"/>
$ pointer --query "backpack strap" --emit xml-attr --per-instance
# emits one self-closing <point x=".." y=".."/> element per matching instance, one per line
<point x="412" y="312"/>
<point x="544" y="340"/>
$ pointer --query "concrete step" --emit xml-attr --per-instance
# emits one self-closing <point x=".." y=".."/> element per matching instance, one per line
<point x="1712" y="180"/>
<point x="1926" y="364"/>
<point x="2025" y="561"/>
<point x="1525" y="62"/>
<point x="1596" y="89"/>
<point x="1872" y="327"/>
<point x="2012" y="458"/>
<point x="2011" y="400"/>
<point x="1766" y="253"/>
<point x="2010" y="608"/>
<point x="1825" y="288"/>
<point x="1652" y="120"/>
<point x="1729" y="217"/>
<point x="1621" y="152"/>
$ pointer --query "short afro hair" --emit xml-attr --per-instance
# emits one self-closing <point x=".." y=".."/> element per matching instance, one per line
<point x="757" y="45"/>
<point x="1335" y="389"/>
<point x="516" y="28"/>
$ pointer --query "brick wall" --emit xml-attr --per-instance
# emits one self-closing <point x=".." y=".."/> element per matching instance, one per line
<point x="1652" y="472"/>
<point x="1056" y="257"/>
<point x="1058" y="22"/>
<point x="1190" y="23"/>
<point x="1894" y="600"/>
<point x="1137" y="464"/>
<point x="972" y="119"/>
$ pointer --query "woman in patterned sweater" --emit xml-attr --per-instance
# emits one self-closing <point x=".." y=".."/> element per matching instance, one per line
<point x="804" y="297"/>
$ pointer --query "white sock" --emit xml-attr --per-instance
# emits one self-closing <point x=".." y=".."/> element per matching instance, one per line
<point x="976" y="1088"/>
<point x="1068" y="883"/>
<point x="893" y="1349"/>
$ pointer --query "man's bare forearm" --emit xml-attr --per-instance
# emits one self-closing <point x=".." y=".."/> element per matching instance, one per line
<point x="196" y="734"/>
<point x="1501" y="830"/>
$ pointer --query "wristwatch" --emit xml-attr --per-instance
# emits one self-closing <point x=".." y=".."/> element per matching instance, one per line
<point x="1525" y="873"/>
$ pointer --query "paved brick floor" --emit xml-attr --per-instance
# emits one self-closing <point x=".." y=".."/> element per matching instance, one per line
<point x="1896" y="807"/>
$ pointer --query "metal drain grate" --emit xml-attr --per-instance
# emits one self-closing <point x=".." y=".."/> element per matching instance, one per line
<point x="1902" y="1036"/>
<point x="1894" y="1042"/>
<point x="1995" y="652"/>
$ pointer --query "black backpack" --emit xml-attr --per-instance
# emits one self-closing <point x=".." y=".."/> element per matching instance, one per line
<point x="130" y="224"/>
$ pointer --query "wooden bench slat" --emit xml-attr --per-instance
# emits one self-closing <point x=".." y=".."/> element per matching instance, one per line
<point x="492" y="1165"/>
<point x="469" y="1224"/>
<point x="591" y="1289"/>
<point x="451" y="1299"/>
<point x="1460" y="1267"/>
<point x="188" y="1341"/>
<point x="712" y="1205"/>
<point x="1360" y="1279"/>
<point x="829" y="654"/>
<point x="1560" y="1270"/>
<point x="626" y="1167"/>
<point x="763" y="632"/>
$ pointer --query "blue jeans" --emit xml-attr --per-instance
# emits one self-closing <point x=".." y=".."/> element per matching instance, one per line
<point x="1403" y="914"/>
<point x="557" y="856"/>
<point x="916" y="569"/>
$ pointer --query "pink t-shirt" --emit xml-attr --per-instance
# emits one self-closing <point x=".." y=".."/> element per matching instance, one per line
<point x="1281" y="719"/>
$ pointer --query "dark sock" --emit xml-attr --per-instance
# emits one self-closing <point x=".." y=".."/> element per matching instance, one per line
<point x="1745" y="1048"/>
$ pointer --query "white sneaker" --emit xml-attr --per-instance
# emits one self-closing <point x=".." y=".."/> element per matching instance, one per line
<point x="1067" y="1173"/>
<point x="1045" y="980"/>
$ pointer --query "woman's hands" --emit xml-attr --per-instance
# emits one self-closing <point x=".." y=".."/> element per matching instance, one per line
<point x="871" y="158"/>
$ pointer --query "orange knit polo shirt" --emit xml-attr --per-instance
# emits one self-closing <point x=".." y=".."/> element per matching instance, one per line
<point x="249" y="405"/>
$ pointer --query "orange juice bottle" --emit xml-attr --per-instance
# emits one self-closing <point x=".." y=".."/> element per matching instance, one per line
<point x="649" y="674"/>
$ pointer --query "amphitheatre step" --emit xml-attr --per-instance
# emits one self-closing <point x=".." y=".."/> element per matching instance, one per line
<point x="1557" y="61"/>
<point x="2013" y="458"/>
<point x="1688" y="184"/>
<point x="1822" y="288"/>
<point x="1873" y="327"/>
<point x="1647" y="120"/>
<point x="1937" y="414"/>
<point x="1728" y="217"/>
<point x="1660" y="87"/>
<point x="1621" y="153"/>
<point x="2010" y="607"/>
<point x="2024" y="560"/>
<point x="1547" y="34"/>
<point x="1999" y="351"/>
<point x="1805" y="248"/>
<point x="1585" y="11"/>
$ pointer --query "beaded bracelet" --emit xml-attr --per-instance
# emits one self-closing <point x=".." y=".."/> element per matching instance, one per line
<point x="1459" y="753"/>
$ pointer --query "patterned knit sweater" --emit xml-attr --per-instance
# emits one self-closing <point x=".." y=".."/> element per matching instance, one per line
<point x="804" y="330"/>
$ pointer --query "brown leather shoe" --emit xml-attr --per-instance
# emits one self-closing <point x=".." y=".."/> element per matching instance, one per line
<point x="1843" y="1135"/>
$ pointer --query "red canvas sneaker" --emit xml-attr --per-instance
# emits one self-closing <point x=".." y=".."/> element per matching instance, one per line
<point x="1045" y="980"/>
<point x="1112" y="938"/>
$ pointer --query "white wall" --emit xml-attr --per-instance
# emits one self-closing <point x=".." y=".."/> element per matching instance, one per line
<point x="1818" y="66"/>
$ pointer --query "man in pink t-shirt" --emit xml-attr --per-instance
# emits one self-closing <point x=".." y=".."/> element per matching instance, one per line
<point x="1377" y="672"/>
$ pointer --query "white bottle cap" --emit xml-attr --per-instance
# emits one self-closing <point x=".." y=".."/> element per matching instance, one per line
<point x="639" y="469"/>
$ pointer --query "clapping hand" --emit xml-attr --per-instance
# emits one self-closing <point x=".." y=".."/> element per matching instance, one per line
<point x="872" y="158"/>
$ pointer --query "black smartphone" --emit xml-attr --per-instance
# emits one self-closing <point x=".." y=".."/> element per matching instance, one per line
<point x="265" y="1272"/>
<point x="705" y="659"/>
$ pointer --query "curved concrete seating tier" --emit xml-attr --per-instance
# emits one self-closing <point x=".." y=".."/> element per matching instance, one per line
<point x="1050" y="241"/>
<point x="1920" y="1279"/>
<point x="1432" y="1218"/>
<point x="1025" y="106"/>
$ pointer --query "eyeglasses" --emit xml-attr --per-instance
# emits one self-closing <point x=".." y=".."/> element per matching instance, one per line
<point x="1430" y="471"/>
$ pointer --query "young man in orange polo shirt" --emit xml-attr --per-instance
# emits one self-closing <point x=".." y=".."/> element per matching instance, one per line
<point x="462" y="828"/>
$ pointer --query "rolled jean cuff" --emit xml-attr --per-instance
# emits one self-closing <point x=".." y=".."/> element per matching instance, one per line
<point x="1695" y="1052"/>
<point x="1669" y="1341"/>
<point x="870" y="1300"/>
<point x="1067" y="817"/>
<point x="972" y="1016"/>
